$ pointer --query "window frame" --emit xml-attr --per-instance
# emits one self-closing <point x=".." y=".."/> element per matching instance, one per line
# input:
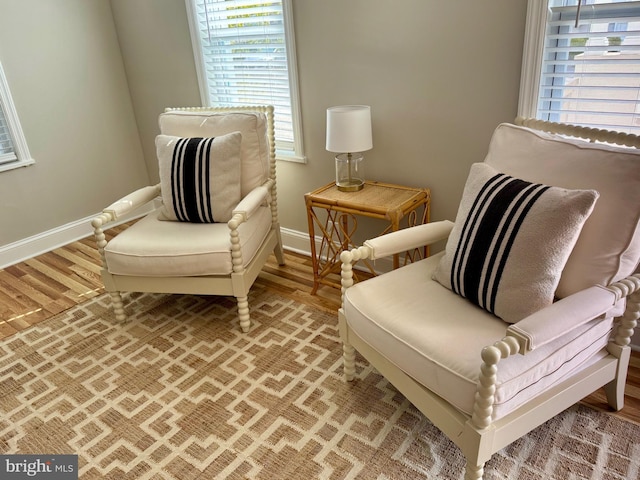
<point x="532" y="58"/>
<point x="21" y="156"/>
<point x="297" y="154"/>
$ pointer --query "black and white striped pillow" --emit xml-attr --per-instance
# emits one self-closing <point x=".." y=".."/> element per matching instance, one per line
<point x="510" y="242"/>
<point x="199" y="177"/>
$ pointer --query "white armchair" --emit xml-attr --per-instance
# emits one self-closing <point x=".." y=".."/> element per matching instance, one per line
<point x="217" y="219"/>
<point x="489" y="339"/>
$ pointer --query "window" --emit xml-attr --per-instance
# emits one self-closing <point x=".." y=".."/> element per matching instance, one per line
<point x="6" y="145"/>
<point x="13" y="147"/>
<point x="245" y="55"/>
<point x="581" y="63"/>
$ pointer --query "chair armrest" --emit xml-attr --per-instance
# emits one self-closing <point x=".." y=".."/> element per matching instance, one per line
<point x="390" y="244"/>
<point x="256" y="197"/>
<point x="119" y="208"/>
<point x="552" y="322"/>
<point x="241" y="214"/>
<point x="561" y="317"/>
<point x="132" y="201"/>
<point x="408" y="239"/>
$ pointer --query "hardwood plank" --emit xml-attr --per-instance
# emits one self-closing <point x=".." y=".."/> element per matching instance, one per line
<point x="15" y="270"/>
<point x="9" y="307"/>
<point x="25" y="292"/>
<point x="87" y="250"/>
<point x="6" y="330"/>
<point x="64" y="276"/>
<point x="41" y="280"/>
<point x="81" y="264"/>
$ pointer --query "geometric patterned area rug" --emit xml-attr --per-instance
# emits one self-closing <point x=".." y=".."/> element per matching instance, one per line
<point x="179" y="392"/>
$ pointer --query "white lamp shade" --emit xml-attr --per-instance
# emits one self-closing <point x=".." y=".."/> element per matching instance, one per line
<point x="349" y="129"/>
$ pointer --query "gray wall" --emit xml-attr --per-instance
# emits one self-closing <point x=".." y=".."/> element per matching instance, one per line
<point x="439" y="77"/>
<point x="64" y="68"/>
<point x="158" y="57"/>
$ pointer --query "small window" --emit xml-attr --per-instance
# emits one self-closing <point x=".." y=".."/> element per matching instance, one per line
<point x="582" y="63"/>
<point x="14" y="152"/>
<point x="245" y="55"/>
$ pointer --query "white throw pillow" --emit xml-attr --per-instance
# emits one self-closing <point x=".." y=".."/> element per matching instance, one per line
<point x="199" y="177"/>
<point x="510" y="242"/>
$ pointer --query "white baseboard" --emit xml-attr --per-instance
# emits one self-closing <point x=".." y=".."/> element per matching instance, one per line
<point x="35" y="245"/>
<point x="298" y="242"/>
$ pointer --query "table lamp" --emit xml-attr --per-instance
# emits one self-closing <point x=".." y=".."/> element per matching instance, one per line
<point x="349" y="134"/>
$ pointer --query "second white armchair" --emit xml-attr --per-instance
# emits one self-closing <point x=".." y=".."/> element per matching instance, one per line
<point x="217" y="220"/>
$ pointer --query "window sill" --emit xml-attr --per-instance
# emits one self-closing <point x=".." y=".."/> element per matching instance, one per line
<point x="18" y="164"/>
<point x="286" y="156"/>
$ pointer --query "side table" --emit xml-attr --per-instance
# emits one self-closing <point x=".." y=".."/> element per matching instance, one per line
<point x="376" y="200"/>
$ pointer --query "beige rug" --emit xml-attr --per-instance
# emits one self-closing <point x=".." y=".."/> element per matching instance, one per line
<point x="180" y="393"/>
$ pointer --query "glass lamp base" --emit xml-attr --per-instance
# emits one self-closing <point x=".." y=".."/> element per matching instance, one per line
<point x="351" y="187"/>
<point x="350" y="172"/>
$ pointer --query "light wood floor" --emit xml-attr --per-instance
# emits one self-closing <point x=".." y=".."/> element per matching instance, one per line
<point x="41" y="287"/>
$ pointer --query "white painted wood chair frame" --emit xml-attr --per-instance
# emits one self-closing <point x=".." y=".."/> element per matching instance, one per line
<point x="477" y="436"/>
<point x="239" y="282"/>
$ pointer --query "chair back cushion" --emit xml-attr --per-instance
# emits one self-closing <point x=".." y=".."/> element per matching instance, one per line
<point x="608" y="247"/>
<point x="199" y="177"/>
<point x="254" y="152"/>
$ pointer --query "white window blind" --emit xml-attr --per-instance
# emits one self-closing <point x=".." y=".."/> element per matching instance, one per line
<point x="7" y="153"/>
<point x="590" y="72"/>
<point x="244" y="59"/>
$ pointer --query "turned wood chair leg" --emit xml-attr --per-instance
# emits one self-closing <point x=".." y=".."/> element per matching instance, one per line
<point x="349" y="359"/>
<point x="243" y="313"/>
<point x="620" y="346"/>
<point x="118" y="306"/>
<point x="473" y="472"/>
<point x="615" y="389"/>
<point x="278" y="250"/>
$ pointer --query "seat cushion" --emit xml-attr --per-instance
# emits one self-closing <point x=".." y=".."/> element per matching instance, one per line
<point x="155" y="248"/>
<point x="608" y="248"/>
<point x="199" y="177"/>
<point x="436" y="337"/>
<point x="254" y="151"/>
<point x="510" y="242"/>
